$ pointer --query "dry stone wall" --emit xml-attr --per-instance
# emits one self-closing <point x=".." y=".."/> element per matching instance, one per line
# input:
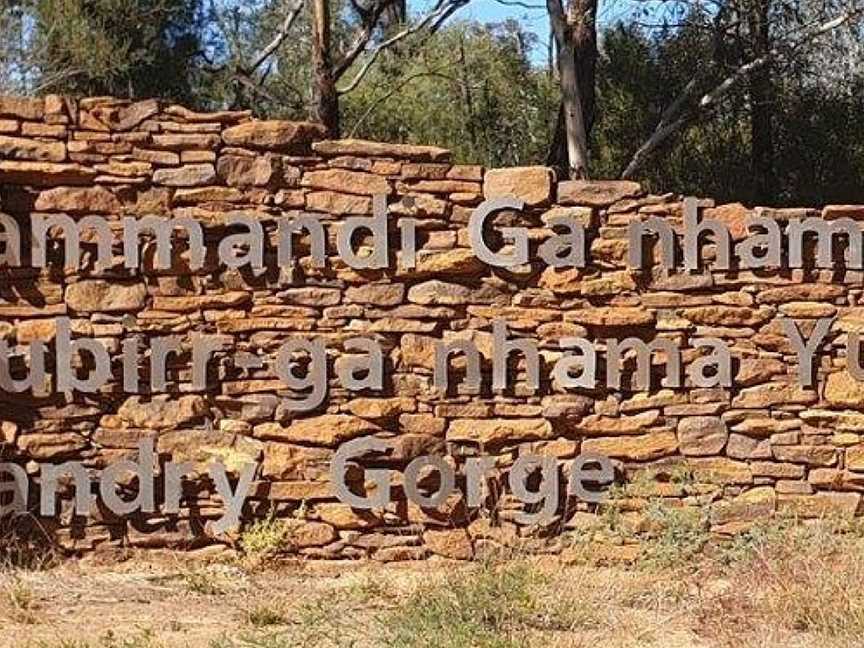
<point x="764" y="447"/>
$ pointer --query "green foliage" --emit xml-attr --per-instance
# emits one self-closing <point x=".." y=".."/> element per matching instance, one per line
<point x="265" y="538"/>
<point x="21" y="602"/>
<point x="819" y="129"/>
<point x="111" y="639"/>
<point x="482" y="610"/>
<point x="681" y="534"/>
<point x="470" y="88"/>
<point x="474" y="88"/>
<point x="262" y="616"/>
<point x="202" y="582"/>
<point x="127" y="48"/>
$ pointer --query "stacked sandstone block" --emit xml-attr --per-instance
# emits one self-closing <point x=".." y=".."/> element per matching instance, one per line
<point x="764" y="447"/>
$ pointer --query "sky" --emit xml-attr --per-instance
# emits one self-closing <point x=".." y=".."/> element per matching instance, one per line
<point x="532" y="14"/>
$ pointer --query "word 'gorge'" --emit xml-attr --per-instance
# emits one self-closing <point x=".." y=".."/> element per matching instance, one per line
<point x="587" y="477"/>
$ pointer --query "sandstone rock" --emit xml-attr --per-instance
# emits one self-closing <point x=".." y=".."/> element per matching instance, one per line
<point x="611" y="316"/>
<point x="8" y="433"/>
<point x="332" y="148"/>
<point x="342" y="180"/>
<point x="22" y="107"/>
<point x="755" y="371"/>
<point x="326" y="430"/>
<point x="613" y="283"/>
<point x="185" y="142"/>
<point x="420" y="206"/>
<point x="222" y="117"/>
<point x="286" y="461"/>
<point x="455" y="262"/>
<point x="376" y="294"/>
<point x="774" y="393"/>
<point x="777" y="470"/>
<point x="194" y="303"/>
<point x="833" y="212"/>
<point x="162" y="412"/>
<point x="424" y="171"/>
<point x="409" y="446"/>
<point x="50" y="447"/>
<point x="450" y="543"/>
<point x="202" y="447"/>
<point x="127" y="117"/>
<point x="733" y="216"/>
<point x="43" y="330"/>
<point x="811" y="455"/>
<point x="751" y="505"/>
<point x="701" y="436"/>
<point x="298" y="491"/>
<point x="19" y="148"/>
<point x="851" y="320"/>
<point x="719" y="470"/>
<point x="598" y="425"/>
<point x="191" y="175"/>
<point x="207" y="195"/>
<point x="342" y="516"/>
<point x="332" y="202"/>
<point x="469" y="191"/>
<point x="498" y="431"/>
<point x="855" y="458"/>
<point x="562" y="281"/>
<point x="530" y="184"/>
<point x="242" y="171"/>
<point x="92" y="296"/>
<point x="644" y="401"/>
<point x="313" y="296"/>
<point x="274" y="135"/>
<point x="78" y="200"/>
<point x="303" y="534"/>
<point x="582" y="215"/>
<point x="596" y="193"/>
<point x="379" y="407"/>
<point x="842" y="389"/>
<point x="807" y="310"/>
<point x="644" y="447"/>
<point x="728" y="316"/>
<point x="439" y="293"/>
<point x="394" y="554"/>
<point x="745" y="447"/>
<point x="819" y="505"/>
<point x="800" y="292"/>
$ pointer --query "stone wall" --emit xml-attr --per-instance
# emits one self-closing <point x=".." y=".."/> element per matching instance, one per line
<point x="764" y="447"/>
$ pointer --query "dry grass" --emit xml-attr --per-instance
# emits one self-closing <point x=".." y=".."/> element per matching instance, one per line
<point x="784" y="584"/>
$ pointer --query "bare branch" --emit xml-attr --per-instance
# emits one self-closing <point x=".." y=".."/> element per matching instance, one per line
<point x="557" y="20"/>
<point x="394" y="90"/>
<point x="518" y="3"/>
<point x="676" y="116"/>
<point x="431" y="20"/>
<point x="281" y="35"/>
<point x="368" y="21"/>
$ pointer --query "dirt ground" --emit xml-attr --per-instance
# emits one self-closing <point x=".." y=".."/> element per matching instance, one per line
<point x="786" y="584"/>
<point x="168" y="600"/>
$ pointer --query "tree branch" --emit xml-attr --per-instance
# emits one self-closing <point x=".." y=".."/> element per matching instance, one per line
<point x="377" y="102"/>
<point x="676" y="116"/>
<point x="281" y="35"/>
<point x="368" y="21"/>
<point x="433" y="19"/>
